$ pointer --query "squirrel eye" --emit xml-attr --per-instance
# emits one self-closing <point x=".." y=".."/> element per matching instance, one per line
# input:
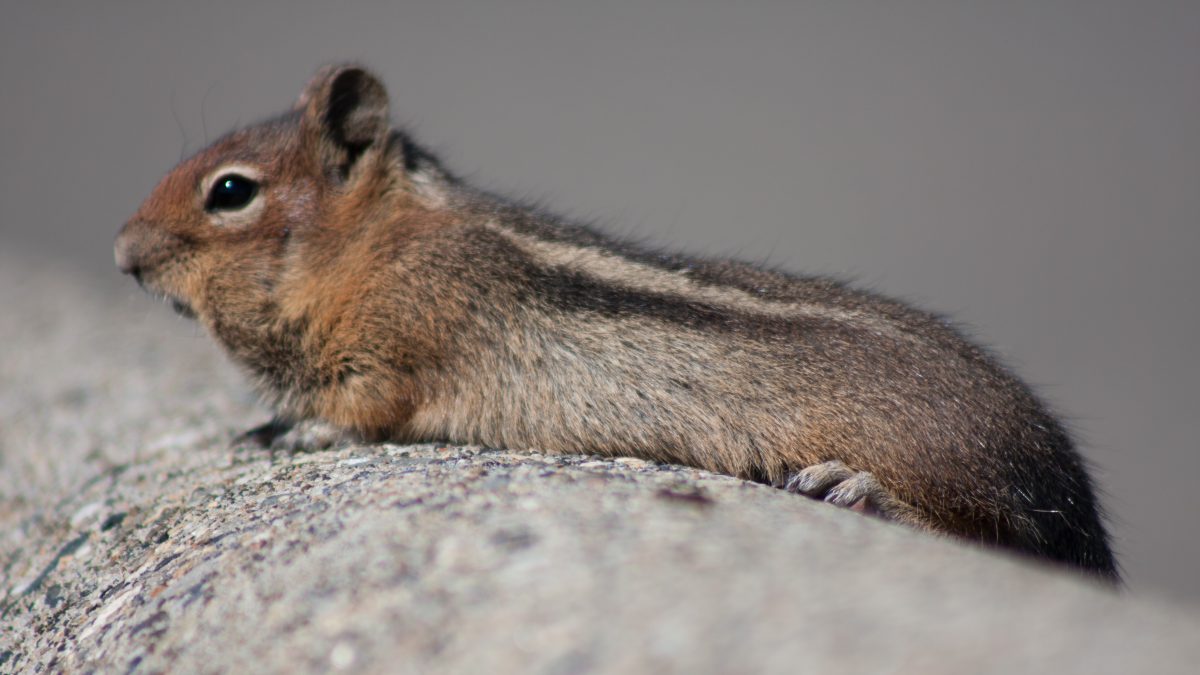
<point x="230" y="192"/>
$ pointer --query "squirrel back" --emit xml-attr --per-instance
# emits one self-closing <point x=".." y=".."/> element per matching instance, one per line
<point x="361" y="284"/>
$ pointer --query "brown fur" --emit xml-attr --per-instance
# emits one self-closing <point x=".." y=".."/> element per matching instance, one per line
<point x="366" y="287"/>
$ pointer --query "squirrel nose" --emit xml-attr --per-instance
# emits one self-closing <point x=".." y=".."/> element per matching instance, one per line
<point x="126" y="264"/>
<point x="142" y="246"/>
<point x="128" y="254"/>
<point x="124" y="258"/>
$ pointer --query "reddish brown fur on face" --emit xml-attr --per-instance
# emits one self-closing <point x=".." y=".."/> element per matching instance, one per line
<point x="288" y="292"/>
<point x="364" y="286"/>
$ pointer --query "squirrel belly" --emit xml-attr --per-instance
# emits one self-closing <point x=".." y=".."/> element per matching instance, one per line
<point x="363" y="285"/>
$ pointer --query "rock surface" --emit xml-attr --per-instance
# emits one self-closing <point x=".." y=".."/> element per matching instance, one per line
<point x="134" y="539"/>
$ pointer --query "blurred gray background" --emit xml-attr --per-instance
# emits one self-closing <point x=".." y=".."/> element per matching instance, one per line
<point x="1031" y="168"/>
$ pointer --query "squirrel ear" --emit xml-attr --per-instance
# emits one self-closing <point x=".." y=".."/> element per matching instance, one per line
<point x="346" y="108"/>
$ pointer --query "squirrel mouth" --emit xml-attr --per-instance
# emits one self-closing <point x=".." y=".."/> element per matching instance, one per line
<point x="182" y="308"/>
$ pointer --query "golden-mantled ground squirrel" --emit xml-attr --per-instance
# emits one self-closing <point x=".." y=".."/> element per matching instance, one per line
<point x="363" y="286"/>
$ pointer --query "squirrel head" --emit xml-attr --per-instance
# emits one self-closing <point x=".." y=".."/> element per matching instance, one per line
<point x="215" y="234"/>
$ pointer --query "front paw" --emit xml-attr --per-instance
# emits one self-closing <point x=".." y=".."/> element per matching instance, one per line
<point x="263" y="435"/>
<point x="307" y="435"/>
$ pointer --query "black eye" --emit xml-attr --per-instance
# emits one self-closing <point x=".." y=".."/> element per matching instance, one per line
<point x="230" y="192"/>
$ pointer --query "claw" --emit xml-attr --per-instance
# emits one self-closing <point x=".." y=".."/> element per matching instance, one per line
<point x="838" y="484"/>
<point x="815" y="481"/>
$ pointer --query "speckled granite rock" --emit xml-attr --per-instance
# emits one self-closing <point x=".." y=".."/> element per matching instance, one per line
<point x="132" y="538"/>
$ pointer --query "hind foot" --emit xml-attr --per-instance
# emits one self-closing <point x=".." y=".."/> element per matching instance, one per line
<point x="838" y="484"/>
